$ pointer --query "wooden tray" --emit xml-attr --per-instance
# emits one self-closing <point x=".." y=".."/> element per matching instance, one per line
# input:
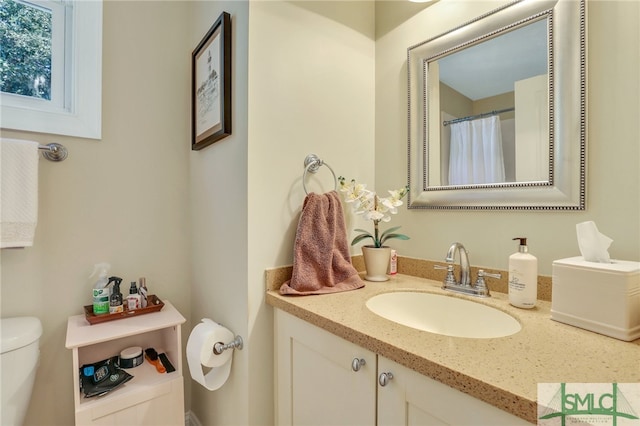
<point x="154" y="304"/>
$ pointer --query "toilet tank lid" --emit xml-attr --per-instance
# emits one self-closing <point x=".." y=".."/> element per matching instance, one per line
<point x="18" y="332"/>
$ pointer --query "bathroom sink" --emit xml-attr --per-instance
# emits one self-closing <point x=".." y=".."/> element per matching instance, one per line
<point x="441" y="314"/>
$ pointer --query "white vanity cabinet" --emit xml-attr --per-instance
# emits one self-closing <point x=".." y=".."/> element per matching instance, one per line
<point x="316" y="385"/>
<point x="150" y="398"/>
<point x="316" y="381"/>
<point x="410" y="398"/>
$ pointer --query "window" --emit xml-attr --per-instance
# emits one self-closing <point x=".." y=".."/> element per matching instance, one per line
<point x="47" y="86"/>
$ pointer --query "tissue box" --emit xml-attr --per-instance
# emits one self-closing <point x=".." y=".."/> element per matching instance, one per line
<point x="600" y="297"/>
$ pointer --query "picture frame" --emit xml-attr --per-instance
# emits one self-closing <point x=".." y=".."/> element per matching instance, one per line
<point x="211" y="85"/>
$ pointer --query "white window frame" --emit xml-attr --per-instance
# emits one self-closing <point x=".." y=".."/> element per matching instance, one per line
<point x="75" y="110"/>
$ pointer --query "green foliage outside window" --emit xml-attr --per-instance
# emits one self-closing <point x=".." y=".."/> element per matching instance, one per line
<point x="25" y="49"/>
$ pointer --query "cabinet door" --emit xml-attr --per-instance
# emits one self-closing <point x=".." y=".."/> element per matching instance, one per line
<point x="315" y="380"/>
<point x="410" y="398"/>
<point x="158" y="405"/>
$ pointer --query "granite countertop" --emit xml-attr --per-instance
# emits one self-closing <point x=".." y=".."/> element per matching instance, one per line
<point x="503" y="372"/>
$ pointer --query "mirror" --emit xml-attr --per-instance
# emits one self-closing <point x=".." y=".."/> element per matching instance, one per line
<point x="497" y="111"/>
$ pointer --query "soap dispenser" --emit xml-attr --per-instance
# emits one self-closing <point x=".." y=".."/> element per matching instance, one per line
<point x="523" y="277"/>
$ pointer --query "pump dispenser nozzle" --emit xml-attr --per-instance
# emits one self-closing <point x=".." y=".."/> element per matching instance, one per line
<point x="523" y="244"/>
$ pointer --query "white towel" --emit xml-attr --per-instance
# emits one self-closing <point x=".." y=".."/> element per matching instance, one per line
<point x="18" y="192"/>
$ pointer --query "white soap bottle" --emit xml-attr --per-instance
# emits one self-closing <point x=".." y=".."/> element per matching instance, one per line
<point x="523" y="277"/>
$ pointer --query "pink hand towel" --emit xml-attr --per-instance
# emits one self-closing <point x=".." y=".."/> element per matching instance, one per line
<point x="321" y="259"/>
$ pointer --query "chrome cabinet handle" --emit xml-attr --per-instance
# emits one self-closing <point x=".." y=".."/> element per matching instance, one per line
<point x="385" y="378"/>
<point x="356" y="364"/>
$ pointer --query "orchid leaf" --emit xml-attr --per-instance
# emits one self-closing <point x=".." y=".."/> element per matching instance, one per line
<point x="361" y="237"/>
<point x="388" y="231"/>
<point x="364" y="232"/>
<point x="390" y="236"/>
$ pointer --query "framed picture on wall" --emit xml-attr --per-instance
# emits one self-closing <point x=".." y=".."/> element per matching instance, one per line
<point x="211" y="85"/>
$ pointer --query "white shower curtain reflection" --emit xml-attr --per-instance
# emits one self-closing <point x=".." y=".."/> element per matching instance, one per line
<point x="476" y="152"/>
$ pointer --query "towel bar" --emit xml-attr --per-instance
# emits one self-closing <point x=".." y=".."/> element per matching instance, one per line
<point x="311" y="164"/>
<point x="54" y="152"/>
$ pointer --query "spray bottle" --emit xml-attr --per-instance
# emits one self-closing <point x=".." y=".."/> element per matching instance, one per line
<point x="115" y="301"/>
<point x="134" y="301"/>
<point x="100" y="289"/>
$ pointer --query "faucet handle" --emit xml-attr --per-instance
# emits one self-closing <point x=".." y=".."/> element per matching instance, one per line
<point x="481" y="286"/>
<point x="450" y="279"/>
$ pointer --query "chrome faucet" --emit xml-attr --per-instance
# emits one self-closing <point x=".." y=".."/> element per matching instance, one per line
<point x="465" y="275"/>
<point x="479" y="288"/>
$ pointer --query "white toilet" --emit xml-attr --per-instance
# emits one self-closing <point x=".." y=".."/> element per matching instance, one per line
<point x="18" y="364"/>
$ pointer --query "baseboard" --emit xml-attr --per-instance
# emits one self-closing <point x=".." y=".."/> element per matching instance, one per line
<point x="190" y="419"/>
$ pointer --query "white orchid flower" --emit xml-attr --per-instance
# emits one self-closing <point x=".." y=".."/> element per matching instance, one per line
<point x="352" y="192"/>
<point x="373" y="215"/>
<point x="366" y="203"/>
<point x="390" y="203"/>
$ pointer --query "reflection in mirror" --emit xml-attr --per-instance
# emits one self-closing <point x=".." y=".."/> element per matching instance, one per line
<point x="497" y="111"/>
<point x="484" y="137"/>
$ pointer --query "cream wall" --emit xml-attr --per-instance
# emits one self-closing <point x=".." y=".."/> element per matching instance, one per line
<point x="304" y="79"/>
<point x="613" y="172"/>
<point x="311" y="90"/>
<point x="219" y="239"/>
<point x="122" y="199"/>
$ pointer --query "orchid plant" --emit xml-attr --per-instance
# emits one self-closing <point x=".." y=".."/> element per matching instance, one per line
<point x="371" y="207"/>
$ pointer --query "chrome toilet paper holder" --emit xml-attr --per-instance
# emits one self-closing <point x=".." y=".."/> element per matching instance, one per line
<point x="220" y="347"/>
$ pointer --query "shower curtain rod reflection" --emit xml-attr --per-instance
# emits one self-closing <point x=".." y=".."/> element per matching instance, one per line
<point x="473" y="117"/>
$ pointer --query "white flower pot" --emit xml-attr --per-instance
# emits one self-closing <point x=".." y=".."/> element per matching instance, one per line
<point x="376" y="262"/>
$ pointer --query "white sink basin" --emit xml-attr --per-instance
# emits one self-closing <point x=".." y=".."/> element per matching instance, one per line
<point x="440" y="314"/>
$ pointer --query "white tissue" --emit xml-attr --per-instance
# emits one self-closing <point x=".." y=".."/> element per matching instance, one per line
<point x="593" y="245"/>
<point x="200" y="353"/>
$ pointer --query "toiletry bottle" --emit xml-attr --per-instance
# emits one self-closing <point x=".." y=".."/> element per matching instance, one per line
<point x="115" y="301"/>
<point x="393" y="263"/>
<point x="133" y="299"/>
<point x="143" y="292"/>
<point x="523" y="277"/>
<point x="100" y="290"/>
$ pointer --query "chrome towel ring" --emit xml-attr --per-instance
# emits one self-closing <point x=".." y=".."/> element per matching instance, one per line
<point x="311" y="164"/>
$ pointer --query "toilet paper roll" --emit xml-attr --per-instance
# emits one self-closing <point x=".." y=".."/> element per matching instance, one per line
<point x="200" y="353"/>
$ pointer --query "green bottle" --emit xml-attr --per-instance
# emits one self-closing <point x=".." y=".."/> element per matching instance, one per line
<point x="101" y="289"/>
